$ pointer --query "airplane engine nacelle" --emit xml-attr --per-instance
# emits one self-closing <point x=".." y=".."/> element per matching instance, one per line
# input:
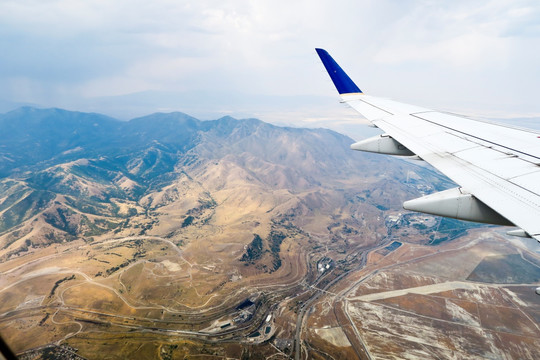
<point x="458" y="204"/>
<point x="382" y="144"/>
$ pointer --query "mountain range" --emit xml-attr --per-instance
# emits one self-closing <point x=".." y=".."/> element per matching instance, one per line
<point x="69" y="174"/>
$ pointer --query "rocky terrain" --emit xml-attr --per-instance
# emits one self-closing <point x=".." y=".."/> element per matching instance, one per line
<point x="166" y="235"/>
<point x="71" y="175"/>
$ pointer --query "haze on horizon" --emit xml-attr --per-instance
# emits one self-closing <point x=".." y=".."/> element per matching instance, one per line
<point x="257" y="58"/>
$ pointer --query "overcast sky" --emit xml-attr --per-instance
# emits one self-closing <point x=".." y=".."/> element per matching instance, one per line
<point x="256" y="58"/>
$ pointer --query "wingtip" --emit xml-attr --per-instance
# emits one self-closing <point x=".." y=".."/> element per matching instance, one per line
<point x="341" y="80"/>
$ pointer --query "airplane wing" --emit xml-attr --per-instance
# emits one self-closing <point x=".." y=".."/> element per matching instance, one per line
<point x="496" y="166"/>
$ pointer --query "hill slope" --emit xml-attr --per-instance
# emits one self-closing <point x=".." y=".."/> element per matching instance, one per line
<point x="69" y="175"/>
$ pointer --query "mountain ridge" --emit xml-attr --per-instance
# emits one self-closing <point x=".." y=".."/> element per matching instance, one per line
<point x="92" y="166"/>
<point x="41" y="134"/>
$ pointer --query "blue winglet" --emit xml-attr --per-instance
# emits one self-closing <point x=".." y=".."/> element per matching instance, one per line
<point x="341" y="80"/>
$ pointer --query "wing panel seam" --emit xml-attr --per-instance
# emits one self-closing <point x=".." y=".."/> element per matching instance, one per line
<point x="492" y="147"/>
<point x="473" y="136"/>
<point x="375" y="106"/>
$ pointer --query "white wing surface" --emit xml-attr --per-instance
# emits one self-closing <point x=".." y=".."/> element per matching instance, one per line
<point x="497" y="167"/>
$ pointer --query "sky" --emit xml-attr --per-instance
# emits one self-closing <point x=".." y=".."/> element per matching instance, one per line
<point x="128" y="58"/>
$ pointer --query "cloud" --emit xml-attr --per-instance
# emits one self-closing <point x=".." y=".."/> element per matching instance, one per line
<point x="472" y="55"/>
<point x="460" y="35"/>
